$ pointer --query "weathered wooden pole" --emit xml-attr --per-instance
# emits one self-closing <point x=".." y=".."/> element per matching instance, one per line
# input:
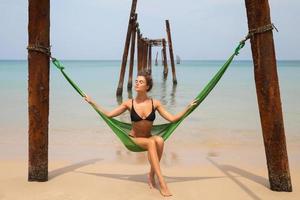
<point x="145" y="55"/>
<point x="38" y="89"/>
<point x="171" y="51"/>
<point x="268" y="95"/>
<point x="156" y="62"/>
<point x="143" y="59"/>
<point x="142" y="54"/>
<point x="132" y="48"/>
<point x="165" y="61"/>
<point x="162" y="56"/>
<point x="139" y="48"/>
<point x="150" y="59"/>
<point x="126" y="48"/>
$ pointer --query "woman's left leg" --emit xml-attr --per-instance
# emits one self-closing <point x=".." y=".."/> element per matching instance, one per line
<point x="159" y="147"/>
<point x="150" y="145"/>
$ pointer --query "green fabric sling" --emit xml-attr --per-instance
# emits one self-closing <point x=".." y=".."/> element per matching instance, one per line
<point x="122" y="129"/>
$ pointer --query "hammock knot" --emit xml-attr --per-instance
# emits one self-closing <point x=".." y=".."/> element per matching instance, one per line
<point x="57" y="63"/>
<point x="239" y="47"/>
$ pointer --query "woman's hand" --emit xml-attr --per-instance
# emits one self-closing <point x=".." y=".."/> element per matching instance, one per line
<point x="88" y="99"/>
<point x="193" y="103"/>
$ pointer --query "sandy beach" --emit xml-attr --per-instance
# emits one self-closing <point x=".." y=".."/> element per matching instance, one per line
<point x="211" y="172"/>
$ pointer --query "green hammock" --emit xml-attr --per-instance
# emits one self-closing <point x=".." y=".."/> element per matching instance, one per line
<point x="122" y="129"/>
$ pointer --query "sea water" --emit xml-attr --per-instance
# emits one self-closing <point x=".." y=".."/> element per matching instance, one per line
<point x="229" y="114"/>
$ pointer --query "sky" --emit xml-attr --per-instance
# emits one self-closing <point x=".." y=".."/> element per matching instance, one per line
<point x="96" y="29"/>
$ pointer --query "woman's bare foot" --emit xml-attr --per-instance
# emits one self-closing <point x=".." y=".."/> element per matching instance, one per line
<point x="151" y="180"/>
<point x="165" y="191"/>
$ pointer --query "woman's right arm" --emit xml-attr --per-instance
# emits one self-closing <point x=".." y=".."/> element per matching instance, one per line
<point x="117" y="111"/>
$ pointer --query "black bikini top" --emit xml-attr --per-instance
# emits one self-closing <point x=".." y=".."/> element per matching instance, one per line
<point x="135" y="117"/>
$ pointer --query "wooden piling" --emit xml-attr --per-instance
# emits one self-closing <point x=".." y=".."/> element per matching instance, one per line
<point x="150" y="59"/>
<point x="162" y="56"/>
<point x="126" y="48"/>
<point x="142" y="53"/>
<point x="168" y="29"/>
<point x="165" y="61"/>
<point x="145" y="55"/>
<point x="268" y="95"/>
<point x="38" y="90"/>
<point x="132" y="49"/>
<point x="139" y="53"/>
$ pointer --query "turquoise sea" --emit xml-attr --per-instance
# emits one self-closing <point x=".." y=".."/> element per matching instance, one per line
<point x="229" y="115"/>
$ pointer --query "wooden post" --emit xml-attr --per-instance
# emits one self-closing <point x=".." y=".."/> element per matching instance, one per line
<point x="139" y="41"/>
<point x="150" y="59"/>
<point x="268" y="95"/>
<point x="165" y="61"/>
<point x="38" y="90"/>
<point x="162" y="56"/>
<point x="126" y="48"/>
<point x="142" y="54"/>
<point x="156" y="62"/>
<point x="133" y="36"/>
<point x="145" y="55"/>
<point x="143" y="59"/>
<point x="171" y="51"/>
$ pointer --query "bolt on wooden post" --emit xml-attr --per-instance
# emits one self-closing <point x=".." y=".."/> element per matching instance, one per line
<point x="268" y="95"/>
<point x="38" y="90"/>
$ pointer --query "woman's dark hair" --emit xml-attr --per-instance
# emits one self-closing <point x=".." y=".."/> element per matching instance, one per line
<point x="148" y="78"/>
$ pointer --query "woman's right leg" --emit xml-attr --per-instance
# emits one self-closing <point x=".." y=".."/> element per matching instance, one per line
<point x="150" y="145"/>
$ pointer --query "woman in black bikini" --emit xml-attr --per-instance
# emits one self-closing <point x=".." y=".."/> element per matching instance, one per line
<point x="142" y="124"/>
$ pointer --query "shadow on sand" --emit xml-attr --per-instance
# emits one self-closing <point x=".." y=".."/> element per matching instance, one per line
<point x="228" y="169"/>
<point x="143" y="177"/>
<point x="72" y="167"/>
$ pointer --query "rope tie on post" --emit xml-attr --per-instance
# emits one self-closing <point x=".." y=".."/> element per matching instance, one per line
<point x="40" y="48"/>
<point x="252" y="32"/>
<point x="262" y="29"/>
<point x="46" y="51"/>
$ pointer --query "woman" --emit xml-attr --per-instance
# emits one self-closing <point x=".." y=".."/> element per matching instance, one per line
<point x="142" y="113"/>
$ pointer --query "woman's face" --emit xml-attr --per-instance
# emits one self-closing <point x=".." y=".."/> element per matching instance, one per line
<point x="140" y="84"/>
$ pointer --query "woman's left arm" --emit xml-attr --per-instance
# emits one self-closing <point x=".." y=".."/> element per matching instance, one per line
<point x="168" y="116"/>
